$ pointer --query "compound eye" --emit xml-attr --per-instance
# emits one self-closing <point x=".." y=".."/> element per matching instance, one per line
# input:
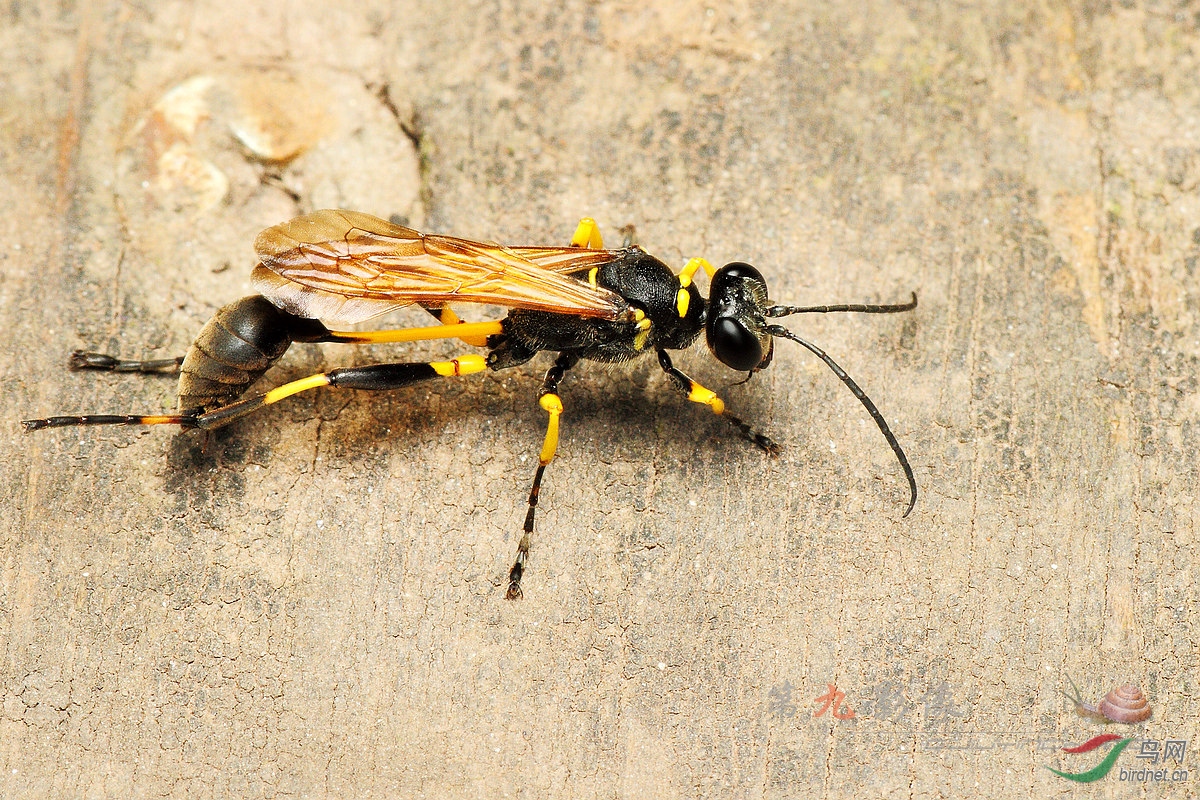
<point x="740" y="269"/>
<point x="732" y="343"/>
<point x="734" y="278"/>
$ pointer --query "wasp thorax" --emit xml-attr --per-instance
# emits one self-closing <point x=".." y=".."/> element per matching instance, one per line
<point x="736" y="330"/>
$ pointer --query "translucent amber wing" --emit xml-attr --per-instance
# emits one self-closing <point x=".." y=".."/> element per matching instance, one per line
<point x="345" y="266"/>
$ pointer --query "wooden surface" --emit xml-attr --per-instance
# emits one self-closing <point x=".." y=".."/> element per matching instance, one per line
<point x="310" y="603"/>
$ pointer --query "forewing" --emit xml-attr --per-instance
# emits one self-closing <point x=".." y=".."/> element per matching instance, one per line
<point x="567" y="260"/>
<point x="345" y="266"/>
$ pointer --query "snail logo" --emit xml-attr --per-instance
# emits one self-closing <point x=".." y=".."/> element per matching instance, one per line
<point x="1104" y="767"/>
<point x="1126" y="705"/>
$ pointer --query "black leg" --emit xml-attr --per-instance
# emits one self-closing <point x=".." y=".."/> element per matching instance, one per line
<point x="549" y="400"/>
<point x="376" y="377"/>
<point x="81" y="359"/>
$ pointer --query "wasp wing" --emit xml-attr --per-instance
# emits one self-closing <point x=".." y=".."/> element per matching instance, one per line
<point x="568" y="260"/>
<point x="345" y="267"/>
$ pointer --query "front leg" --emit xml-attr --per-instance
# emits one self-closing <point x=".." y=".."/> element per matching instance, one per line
<point x="699" y="394"/>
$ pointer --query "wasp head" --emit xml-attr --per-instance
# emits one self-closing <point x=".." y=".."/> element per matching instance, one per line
<point x="741" y="338"/>
<point x="736" y="327"/>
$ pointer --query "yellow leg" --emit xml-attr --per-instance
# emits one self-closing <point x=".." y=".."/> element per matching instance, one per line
<point x="295" y="387"/>
<point x="683" y="298"/>
<point x="699" y="394"/>
<point x="446" y="316"/>
<point x="587" y="234"/>
<point x="691" y="267"/>
<point x="375" y="377"/>
<point x="707" y="397"/>
<point x="552" y="403"/>
<point x="474" y="333"/>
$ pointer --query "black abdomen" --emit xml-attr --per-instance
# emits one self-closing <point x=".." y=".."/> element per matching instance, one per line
<point x="235" y="348"/>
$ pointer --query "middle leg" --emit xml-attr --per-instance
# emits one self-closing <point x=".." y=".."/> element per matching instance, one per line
<point x="550" y="401"/>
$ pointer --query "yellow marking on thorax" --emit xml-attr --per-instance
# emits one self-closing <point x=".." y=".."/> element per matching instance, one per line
<point x="643" y="329"/>
<point x="683" y="299"/>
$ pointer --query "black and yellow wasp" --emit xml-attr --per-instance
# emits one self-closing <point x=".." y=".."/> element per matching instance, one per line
<point x="580" y="301"/>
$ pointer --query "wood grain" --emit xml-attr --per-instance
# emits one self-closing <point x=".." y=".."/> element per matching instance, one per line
<point x="310" y="603"/>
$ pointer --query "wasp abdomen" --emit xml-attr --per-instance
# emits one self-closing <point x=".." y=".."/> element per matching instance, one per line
<point x="241" y="342"/>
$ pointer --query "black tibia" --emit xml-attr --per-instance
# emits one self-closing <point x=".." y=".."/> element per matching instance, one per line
<point x="554" y="376"/>
<point x="687" y="386"/>
<point x="380" y="377"/>
<point x="236" y="347"/>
